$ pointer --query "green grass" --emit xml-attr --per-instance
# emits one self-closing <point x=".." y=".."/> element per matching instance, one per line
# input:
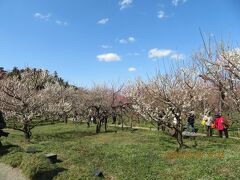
<point x="119" y="155"/>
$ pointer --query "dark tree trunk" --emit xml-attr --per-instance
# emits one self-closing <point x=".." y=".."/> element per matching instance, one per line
<point x="98" y="127"/>
<point x="158" y="126"/>
<point x="180" y="139"/>
<point x="179" y="135"/>
<point x="27" y="131"/>
<point x="122" y="123"/>
<point x="221" y="98"/>
<point x="114" y="118"/>
<point x="89" y="121"/>
<point x="65" y="116"/>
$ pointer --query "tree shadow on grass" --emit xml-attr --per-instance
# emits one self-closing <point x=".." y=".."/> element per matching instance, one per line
<point x="61" y="136"/>
<point x="210" y="144"/>
<point x="5" y="149"/>
<point x="110" y="131"/>
<point x="48" y="175"/>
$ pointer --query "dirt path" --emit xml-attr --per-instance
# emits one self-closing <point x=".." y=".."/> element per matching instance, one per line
<point x="9" y="173"/>
<point x="155" y="129"/>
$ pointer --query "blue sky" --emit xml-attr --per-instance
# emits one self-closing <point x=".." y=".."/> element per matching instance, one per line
<point x="89" y="41"/>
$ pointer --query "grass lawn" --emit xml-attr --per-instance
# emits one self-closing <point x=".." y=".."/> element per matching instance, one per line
<point x="119" y="155"/>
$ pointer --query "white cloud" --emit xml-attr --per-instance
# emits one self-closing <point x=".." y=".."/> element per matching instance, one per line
<point x="158" y="53"/>
<point x="123" y="41"/>
<point x="103" y="21"/>
<point x="42" y="16"/>
<point x="176" y="2"/>
<point x="62" y="23"/>
<point x="161" y="14"/>
<point x="109" y="57"/>
<point x="127" y="40"/>
<point x="178" y="56"/>
<point x="131" y="39"/>
<point x="104" y="46"/>
<point x="125" y="3"/>
<point x="132" y="69"/>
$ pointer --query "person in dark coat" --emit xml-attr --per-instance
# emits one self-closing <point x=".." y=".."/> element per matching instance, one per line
<point x="191" y="120"/>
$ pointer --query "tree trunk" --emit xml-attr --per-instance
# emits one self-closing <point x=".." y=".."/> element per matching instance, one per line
<point x="163" y="128"/>
<point x="158" y="126"/>
<point x="89" y="121"/>
<point x="180" y="139"/>
<point x="98" y="127"/>
<point x="65" y="116"/>
<point x="122" y="123"/>
<point x="221" y="99"/>
<point x="179" y="135"/>
<point x="105" y="124"/>
<point x="27" y="131"/>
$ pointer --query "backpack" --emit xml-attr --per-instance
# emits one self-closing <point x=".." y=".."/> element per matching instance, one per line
<point x="203" y="122"/>
<point x="225" y="123"/>
<point x="213" y="126"/>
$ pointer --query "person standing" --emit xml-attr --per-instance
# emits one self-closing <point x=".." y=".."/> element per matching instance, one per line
<point x="209" y="122"/>
<point x="191" y="120"/>
<point x="226" y="126"/>
<point x="219" y="122"/>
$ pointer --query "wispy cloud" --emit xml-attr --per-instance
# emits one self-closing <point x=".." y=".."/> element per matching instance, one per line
<point x="127" y="40"/>
<point x="132" y="69"/>
<point x="162" y="14"/>
<point x="178" y="56"/>
<point x="177" y="2"/>
<point x="47" y="17"/>
<point x="105" y="46"/>
<point x="160" y="53"/>
<point x="103" y="21"/>
<point x="125" y="3"/>
<point x="131" y="39"/>
<point x="123" y="41"/>
<point x="62" y="23"/>
<point x="109" y="57"/>
<point x="43" y="17"/>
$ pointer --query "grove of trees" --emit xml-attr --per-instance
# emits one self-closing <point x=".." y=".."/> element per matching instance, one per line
<point x="29" y="97"/>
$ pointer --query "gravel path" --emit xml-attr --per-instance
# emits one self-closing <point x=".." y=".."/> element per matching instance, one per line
<point x="9" y="173"/>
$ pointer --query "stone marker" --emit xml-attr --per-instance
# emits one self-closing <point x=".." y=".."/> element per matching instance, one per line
<point x="98" y="173"/>
<point x="52" y="157"/>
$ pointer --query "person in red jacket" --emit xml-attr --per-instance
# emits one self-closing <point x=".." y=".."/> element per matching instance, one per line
<point x="219" y="123"/>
